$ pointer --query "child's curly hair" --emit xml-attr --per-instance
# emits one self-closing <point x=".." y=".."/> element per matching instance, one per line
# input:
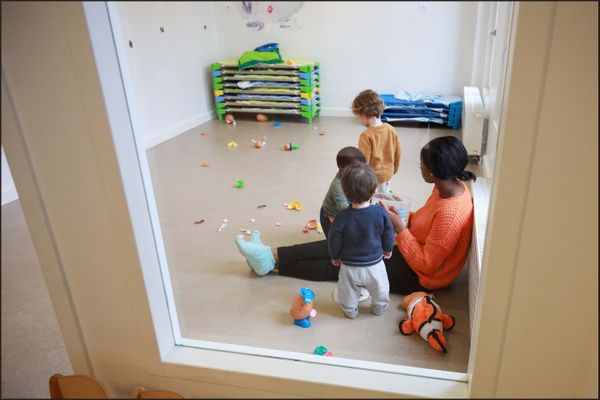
<point x="368" y="103"/>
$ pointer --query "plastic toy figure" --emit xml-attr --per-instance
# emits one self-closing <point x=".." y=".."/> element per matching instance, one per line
<point x="302" y="308"/>
<point x="426" y="318"/>
<point x="290" y="147"/>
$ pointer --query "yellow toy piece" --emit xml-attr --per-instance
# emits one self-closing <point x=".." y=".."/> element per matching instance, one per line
<point x="232" y="144"/>
<point x="295" y="205"/>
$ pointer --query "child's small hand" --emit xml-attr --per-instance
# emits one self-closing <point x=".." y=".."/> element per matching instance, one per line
<point x="337" y="262"/>
<point x="387" y="255"/>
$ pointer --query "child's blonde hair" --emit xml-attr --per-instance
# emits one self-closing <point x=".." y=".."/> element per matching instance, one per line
<point x="368" y="103"/>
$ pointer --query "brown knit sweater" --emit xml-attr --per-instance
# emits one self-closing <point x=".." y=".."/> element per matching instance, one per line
<point x="437" y="241"/>
<point x="381" y="148"/>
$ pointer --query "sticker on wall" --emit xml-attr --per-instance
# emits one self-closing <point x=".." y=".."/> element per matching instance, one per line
<point x="261" y="14"/>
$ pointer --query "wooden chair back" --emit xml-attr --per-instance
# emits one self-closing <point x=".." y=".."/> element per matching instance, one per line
<point x="77" y="387"/>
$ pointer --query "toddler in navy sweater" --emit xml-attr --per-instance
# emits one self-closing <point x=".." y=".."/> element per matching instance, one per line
<point x="359" y="238"/>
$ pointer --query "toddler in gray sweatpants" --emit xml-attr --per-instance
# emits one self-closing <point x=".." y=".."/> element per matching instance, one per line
<point x="360" y="237"/>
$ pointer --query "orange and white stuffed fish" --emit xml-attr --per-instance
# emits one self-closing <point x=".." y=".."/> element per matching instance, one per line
<point x="425" y="316"/>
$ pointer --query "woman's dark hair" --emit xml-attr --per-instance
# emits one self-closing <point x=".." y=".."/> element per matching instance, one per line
<point x="446" y="158"/>
<point x="359" y="182"/>
<point x="349" y="155"/>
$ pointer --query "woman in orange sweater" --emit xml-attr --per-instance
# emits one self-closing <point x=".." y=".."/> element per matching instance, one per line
<point x="430" y="251"/>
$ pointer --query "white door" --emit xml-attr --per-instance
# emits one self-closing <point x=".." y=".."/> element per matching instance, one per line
<point x="494" y="79"/>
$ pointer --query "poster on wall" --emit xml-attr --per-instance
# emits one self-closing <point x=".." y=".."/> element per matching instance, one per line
<point x="260" y="14"/>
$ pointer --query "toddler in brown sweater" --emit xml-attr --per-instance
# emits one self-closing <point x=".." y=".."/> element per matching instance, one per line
<point x="379" y="142"/>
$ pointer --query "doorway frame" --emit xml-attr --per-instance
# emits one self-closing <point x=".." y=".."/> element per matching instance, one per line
<point x="161" y="360"/>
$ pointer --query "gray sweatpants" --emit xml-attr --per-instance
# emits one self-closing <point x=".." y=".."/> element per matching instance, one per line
<point x="373" y="278"/>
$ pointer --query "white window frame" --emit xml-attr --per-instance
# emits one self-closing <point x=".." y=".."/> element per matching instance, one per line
<point x="155" y="358"/>
<point x="173" y="348"/>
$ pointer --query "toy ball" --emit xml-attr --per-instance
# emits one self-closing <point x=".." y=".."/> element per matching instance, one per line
<point x="229" y="119"/>
<point x="259" y="143"/>
<point x="239" y="184"/>
<point x="261" y="117"/>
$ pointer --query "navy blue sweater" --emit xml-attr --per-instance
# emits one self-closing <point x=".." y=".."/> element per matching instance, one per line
<point x="359" y="236"/>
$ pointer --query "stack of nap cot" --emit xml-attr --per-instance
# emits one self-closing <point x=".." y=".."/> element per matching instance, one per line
<point x="421" y="107"/>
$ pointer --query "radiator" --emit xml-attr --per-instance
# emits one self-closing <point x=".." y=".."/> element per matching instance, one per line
<point x="472" y="121"/>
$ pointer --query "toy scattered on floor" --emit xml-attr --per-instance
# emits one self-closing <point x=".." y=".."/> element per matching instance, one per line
<point x="199" y="222"/>
<point x="229" y="119"/>
<point x="295" y="205"/>
<point x="427" y="319"/>
<point x="252" y="219"/>
<point x="278" y="224"/>
<point x="239" y="184"/>
<point x="259" y="143"/>
<point x="322" y="351"/>
<point x="246" y="231"/>
<point x="232" y="144"/>
<point x="315" y="127"/>
<point x="261" y="118"/>
<point x="319" y="228"/>
<point x="223" y="225"/>
<point x="310" y="225"/>
<point x="322" y="133"/>
<point x="302" y="308"/>
<point x="277" y="124"/>
<point x="204" y="164"/>
<point x="290" y="147"/>
<point x="261" y="206"/>
<point x="204" y="133"/>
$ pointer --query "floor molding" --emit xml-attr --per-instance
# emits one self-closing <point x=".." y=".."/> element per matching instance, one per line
<point x="178" y="129"/>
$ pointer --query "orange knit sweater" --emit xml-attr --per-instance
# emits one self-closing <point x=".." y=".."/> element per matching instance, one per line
<point x="381" y="148"/>
<point x="436" y="243"/>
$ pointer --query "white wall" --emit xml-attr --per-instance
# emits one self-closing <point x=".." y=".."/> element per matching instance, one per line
<point x="386" y="46"/>
<point x="9" y="192"/>
<point x="169" y="70"/>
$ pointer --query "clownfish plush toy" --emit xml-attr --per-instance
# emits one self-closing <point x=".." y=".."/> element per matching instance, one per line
<point x="425" y="316"/>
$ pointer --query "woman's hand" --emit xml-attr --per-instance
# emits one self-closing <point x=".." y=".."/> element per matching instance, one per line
<point x="337" y="262"/>
<point x="396" y="219"/>
<point x="387" y="255"/>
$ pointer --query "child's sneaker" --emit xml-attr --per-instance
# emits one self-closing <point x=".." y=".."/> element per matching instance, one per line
<point x="364" y="294"/>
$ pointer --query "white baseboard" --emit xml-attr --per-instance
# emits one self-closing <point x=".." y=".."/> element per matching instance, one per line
<point x="178" y="129"/>
<point x="9" y="194"/>
<point x="336" y="112"/>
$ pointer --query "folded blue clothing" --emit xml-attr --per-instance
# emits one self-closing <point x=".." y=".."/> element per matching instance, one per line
<point x="391" y="100"/>
<point x="406" y="114"/>
<point x="417" y="119"/>
<point x="415" y="107"/>
<point x="426" y="98"/>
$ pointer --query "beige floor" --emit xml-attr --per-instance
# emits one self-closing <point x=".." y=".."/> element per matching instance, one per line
<point x="219" y="299"/>
<point x="32" y="345"/>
